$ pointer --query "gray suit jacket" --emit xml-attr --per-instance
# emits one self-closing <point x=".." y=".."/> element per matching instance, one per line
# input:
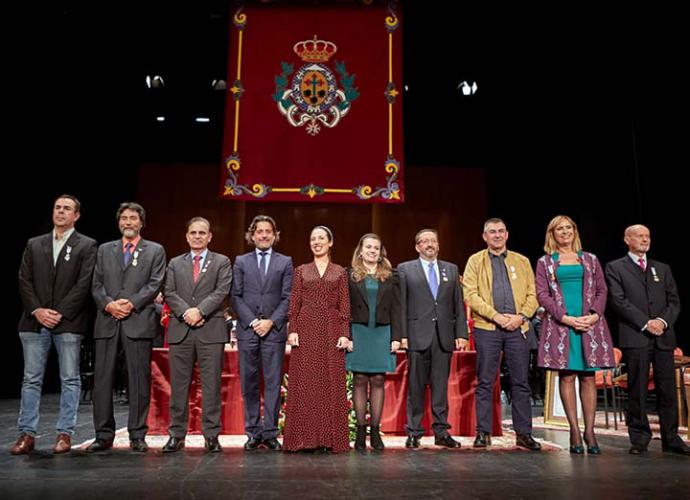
<point x="253" y="299"/>
<point x="207" y="294"/>
<point x="421" y="314"/>
<point x="139" y="282"/>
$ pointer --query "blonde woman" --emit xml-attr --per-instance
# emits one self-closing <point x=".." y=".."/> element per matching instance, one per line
<point x="375" y="309"/>
<point x="575" y="338"/>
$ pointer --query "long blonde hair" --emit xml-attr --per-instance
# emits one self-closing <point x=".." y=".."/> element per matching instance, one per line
<point x="384" y="270"/>
<point x="550" y="245"/>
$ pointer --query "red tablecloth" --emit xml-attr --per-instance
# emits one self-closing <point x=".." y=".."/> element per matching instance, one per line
<point x="461" y="384"/>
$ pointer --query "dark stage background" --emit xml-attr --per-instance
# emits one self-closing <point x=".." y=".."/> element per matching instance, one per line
<point x="598" y="132"/>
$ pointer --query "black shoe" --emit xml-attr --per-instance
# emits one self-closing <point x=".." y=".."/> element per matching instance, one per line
<point x="174" y="444"/>
<point x="412" y="442"/>
<point x="482" y="440"/>
<point x="252" y="443"/>
<point x="212" y="444"/>
<point x="272" y="444"/>
<point x="99" y="445"/>
<point x="361" y="438"/>
<point x="138" y="445"/>
<point x="638" y="449"/>
<point x="679" y="448"/>
<point x="577" y="450"/>
<point x="527" y="441"/>
<point x="375" y="438"/>
<point x="446" y="441"/>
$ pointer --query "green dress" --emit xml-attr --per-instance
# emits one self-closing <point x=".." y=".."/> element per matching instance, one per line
<point x="372" y="344"/>
<point x="570" y="278"/>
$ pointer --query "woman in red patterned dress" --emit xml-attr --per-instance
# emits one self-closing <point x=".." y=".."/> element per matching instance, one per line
<point x="316" y="414"/>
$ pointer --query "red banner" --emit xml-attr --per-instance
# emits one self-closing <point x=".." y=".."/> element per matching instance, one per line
<point x="314" y="110"/>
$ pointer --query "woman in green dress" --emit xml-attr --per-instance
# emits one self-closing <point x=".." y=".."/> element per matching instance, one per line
<point x="575" y="338"/>
<point x="375" y="309"/>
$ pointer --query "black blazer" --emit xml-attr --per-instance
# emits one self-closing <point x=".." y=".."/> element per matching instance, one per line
<point x="387" y="304"/>
<point x="636" y="297"/>
<point x="63" y="286"/>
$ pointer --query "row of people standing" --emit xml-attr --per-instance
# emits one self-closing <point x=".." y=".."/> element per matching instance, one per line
<point x="419" y="307"/>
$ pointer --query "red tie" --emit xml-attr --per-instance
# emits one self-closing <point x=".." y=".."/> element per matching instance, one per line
<point x="196" y="268"/>
<point x="642" y="264"/>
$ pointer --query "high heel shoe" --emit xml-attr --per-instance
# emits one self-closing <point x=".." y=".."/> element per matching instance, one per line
<point x="577" y="450"/>
<point x="592" y="449"/>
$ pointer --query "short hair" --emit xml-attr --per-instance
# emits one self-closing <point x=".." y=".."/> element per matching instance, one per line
<point x="131" y="205"/>
<point x="550" y="245"/>
<point x="494" y="220"/>
<point x="419" y="233"/>
<point x="77" y="205"/>
<point x="252" y="228"/>
<point x="198" y="219"/>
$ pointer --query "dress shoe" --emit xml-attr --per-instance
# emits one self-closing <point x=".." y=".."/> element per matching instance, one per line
<point x="375" y="438"/>
<point x="446" y="441"/>
<point x="592" y="449"/>
<point x="527" y="441"/>
<point x="138" y="445"/>
<point x="272" y="444"/>
<point x="252" y="444"/>
<point x="412" y="442"/>
<point x="577" y="449"/>
<point x="174" y="444"/>
<point x="361" y="438"/>
<point x="680" y="448"/>
<point x="63" y="443"/>
<point x="212" y="444"/>
<point x="482" y="440"/>
<point x="638" y="449"/>
<point x="25" y="444"/>
<point x="99" y="445"/>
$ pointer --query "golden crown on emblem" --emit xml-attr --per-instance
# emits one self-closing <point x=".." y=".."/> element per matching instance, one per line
<point x="315" y="50"/>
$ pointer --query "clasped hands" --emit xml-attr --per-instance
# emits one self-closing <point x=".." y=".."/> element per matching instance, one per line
<point x="120" y="308"/>
<point x="580" y="323"/>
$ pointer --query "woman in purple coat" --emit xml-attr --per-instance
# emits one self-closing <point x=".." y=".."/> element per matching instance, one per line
<point x="575" y="338"/>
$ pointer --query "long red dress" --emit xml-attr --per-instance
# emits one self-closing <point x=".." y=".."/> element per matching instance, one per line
<point x="316" y="414"/>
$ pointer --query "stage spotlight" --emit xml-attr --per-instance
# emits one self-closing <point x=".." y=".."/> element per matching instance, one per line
<point x="219" y="85"/>
<point x="467" y="88"/>
<point x="155" y="82"/>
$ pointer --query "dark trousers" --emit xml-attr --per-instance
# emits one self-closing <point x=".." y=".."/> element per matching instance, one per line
<point x="182" y="358"/>
<point x="428" y="367"/>
<point x="138" y="359"/>
<point x="515" y="348"/>
<point x="637" y="361"/>
<point x="257" y="358"/>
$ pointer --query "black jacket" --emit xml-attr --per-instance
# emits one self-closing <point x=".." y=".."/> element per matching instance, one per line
<point x="387" y="304"/>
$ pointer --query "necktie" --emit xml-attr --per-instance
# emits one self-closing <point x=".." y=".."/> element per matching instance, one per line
<point x="262" y="264"/>
<point x="128" y="253"/>
<point x="433" y="280"/>
<point x="196" y="268"/>
<point x="642" y="264"/>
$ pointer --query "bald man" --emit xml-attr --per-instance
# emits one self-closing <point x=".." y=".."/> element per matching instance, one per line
<point x="643" y="294"/>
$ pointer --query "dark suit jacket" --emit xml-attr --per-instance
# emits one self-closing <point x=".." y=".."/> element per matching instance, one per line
<point x="421" y="314"/>
<point x="637" y="297"/>
<point x="251" y="299"/>
<point x="139" y="282"/>
<point x="207" y="294"/>
<point x="63" y="286"/>
<point x="387" y="304"/>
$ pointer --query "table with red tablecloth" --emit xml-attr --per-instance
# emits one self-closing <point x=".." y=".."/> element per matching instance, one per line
<point x="461" y="385"/>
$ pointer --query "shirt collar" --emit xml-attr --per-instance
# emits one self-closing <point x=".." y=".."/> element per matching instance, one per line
<point x="65" y="235"/>
<point x="203" y="254"/>
<point x="268" y="251"/>
<point x="135" y="242"/>
<point x="636" y="259"/>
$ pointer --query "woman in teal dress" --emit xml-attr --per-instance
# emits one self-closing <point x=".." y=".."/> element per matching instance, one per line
<point x="574" y="338"/>
<point x="375" y="309"/>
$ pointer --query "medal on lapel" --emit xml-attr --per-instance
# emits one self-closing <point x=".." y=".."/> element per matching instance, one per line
<point x="654" y="274"/>
<point x="206" y="264"/>
<point x="444" y="277"/>
<point x="68" y="251"/>
<point x="135" y="257"/>
<point x="514" y="274"/>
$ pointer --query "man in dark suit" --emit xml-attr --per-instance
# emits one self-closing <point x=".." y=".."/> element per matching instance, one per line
<point x="433" y="325"/>
<point x="260" y="297"/>
<point x="128" y="276"/>
<point x="196" y="285"/>
<point x="54" y="282"/>
<point x="643" y="293"/>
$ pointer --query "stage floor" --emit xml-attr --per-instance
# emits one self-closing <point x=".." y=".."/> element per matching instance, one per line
<point x="428" y="473"/>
